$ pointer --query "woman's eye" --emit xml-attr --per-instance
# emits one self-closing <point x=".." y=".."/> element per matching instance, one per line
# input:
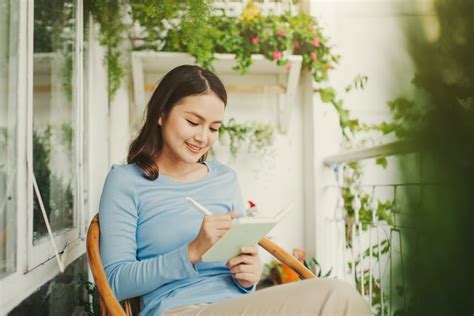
<point x="214" y="130"/>
<point x="192" y="123"/>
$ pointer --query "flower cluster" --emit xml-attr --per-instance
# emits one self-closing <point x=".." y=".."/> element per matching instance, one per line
<point x="274" y="36"/>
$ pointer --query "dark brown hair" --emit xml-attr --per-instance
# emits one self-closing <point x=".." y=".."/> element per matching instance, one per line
<point x="182" y="81"/>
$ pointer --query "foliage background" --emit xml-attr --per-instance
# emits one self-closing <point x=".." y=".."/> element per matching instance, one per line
<point x="441" y="119"/>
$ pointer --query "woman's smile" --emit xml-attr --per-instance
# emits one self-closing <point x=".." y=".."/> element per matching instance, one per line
<point x="193" y="148"/>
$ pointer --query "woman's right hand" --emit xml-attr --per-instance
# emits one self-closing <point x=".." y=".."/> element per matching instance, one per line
<point x="213" y="227"/>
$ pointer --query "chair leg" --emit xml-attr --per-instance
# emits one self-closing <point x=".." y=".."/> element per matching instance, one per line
<point x="128" y="308"/>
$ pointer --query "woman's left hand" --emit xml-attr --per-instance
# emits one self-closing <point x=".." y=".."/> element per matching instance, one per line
<point x="246" y="267"/>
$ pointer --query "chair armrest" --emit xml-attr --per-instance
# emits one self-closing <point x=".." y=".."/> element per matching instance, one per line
<point x="286" y="258"/>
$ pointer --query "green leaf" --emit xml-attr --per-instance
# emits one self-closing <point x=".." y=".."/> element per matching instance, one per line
<point x="327" y="94"/>
<point x="382" y="213"/>
<point x="328" y="273"/>
<point x="382" y="161"/>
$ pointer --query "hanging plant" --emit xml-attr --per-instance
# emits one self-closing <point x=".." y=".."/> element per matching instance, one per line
<point x="274" y="36"/>
<point x="192" y="27"/>
<point x="256" y="136"/>
<point x="115" y="27"/>
<point x="109" y="14"/>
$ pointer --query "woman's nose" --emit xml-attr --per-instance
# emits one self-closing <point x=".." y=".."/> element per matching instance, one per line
<point x="201" y="136"/>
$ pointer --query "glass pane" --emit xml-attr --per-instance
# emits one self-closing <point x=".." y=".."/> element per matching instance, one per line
<point x="54" y="114"/>
<point x="8" y="62"/>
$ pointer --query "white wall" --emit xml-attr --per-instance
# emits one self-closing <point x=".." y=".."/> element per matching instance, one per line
<point x="97" y="121"/>
<point x="275" y="178"/>
<point x="119" y="129"/>
<point x="369" y="37"/>
<point x="107" y="124"/>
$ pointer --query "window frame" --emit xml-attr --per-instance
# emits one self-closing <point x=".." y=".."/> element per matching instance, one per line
<point x="36" y="264"/>
<point x="42" y="250"/>
<point x="11" y="147"/>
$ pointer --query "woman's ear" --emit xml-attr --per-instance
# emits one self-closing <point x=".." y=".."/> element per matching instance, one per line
<point x="160" y="121"/>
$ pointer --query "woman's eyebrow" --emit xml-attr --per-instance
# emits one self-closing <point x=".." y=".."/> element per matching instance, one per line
<point x="200" y="117"/>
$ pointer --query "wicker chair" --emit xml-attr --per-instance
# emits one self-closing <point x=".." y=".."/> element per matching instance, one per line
<point x="109" y="305"/>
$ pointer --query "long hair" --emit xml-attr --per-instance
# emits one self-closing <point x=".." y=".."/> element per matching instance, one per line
<point x="180" y="82"/>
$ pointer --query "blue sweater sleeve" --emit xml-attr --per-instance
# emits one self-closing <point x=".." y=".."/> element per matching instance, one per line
<point x="127" y="276"/>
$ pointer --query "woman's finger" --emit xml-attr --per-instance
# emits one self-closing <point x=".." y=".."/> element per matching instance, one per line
<point x="223" y="216"/>
<point x="243" y="259"/>
<point x="245" y="268"/>
<point x="245" y="276"/>
<point x="249" y="250"/>
<point x="222" y="225"/>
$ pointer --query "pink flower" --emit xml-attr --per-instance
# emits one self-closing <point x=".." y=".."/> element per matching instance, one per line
<point x="276" y="55"/>
<point x="316" y="42"/>
<point x="314" y="57"/>
<point x="281" y="32"/>
<point x="297" y="45"/>
<point x="254" y="40"/>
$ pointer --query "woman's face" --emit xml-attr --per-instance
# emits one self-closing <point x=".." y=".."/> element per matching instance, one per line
<point x="191" y="128"/>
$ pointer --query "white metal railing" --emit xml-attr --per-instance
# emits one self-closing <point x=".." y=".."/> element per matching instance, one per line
<point x="389" y="149"/>
<point x="362" y="254"/>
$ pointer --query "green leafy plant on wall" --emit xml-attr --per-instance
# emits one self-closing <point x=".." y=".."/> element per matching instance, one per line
<point x="115" y="27"/>
<point x="256" y="136"/>
<point x="192" y="27"/>
<point x="350" y="192"/>
<point x="190" y="20"/>
<point x="274" y="36"/>
<point x="110" y="14"/>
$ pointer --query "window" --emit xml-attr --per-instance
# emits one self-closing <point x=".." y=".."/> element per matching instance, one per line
<point x="54" y="115"/>
<point x="55" y="128"/>
<point x="8" y="140"/>
<point x="41" y="141"/>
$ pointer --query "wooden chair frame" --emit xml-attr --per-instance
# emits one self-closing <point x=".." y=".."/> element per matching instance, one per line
<point x="109" y="305"/>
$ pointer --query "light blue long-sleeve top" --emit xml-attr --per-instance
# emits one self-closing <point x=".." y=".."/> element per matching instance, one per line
<point x="146" y="227"/>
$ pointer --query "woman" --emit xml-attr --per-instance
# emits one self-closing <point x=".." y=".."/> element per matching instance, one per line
<point x="152" y="240"/>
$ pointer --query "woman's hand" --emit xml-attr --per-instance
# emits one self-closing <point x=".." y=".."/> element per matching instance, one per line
<point x="246" y="267"/>
<point x="213" y="227"/>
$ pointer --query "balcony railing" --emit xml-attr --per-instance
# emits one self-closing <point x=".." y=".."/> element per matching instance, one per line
<point x="367" y="228"/>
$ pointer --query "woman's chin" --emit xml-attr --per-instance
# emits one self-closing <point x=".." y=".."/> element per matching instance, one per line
<point x="191" y="157"/>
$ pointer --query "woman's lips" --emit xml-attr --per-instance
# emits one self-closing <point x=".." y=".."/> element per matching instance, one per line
<point x="193" y="148"/>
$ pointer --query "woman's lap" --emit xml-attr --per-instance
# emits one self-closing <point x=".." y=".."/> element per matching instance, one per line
<point x="308" y="297"/>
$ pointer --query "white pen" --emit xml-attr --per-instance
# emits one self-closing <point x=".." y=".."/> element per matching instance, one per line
<point x="204" y="211"/>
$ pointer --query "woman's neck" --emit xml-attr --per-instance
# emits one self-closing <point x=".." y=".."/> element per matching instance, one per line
<point x="177" y="169"/>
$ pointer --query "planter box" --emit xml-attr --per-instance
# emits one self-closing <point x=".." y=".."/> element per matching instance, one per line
<point x="149" y="67"/>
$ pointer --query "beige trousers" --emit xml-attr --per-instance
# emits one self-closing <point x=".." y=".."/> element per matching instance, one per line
<point x="309" y="297"/>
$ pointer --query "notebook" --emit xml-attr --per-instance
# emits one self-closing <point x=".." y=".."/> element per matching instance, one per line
<point x="245" y="231"/>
